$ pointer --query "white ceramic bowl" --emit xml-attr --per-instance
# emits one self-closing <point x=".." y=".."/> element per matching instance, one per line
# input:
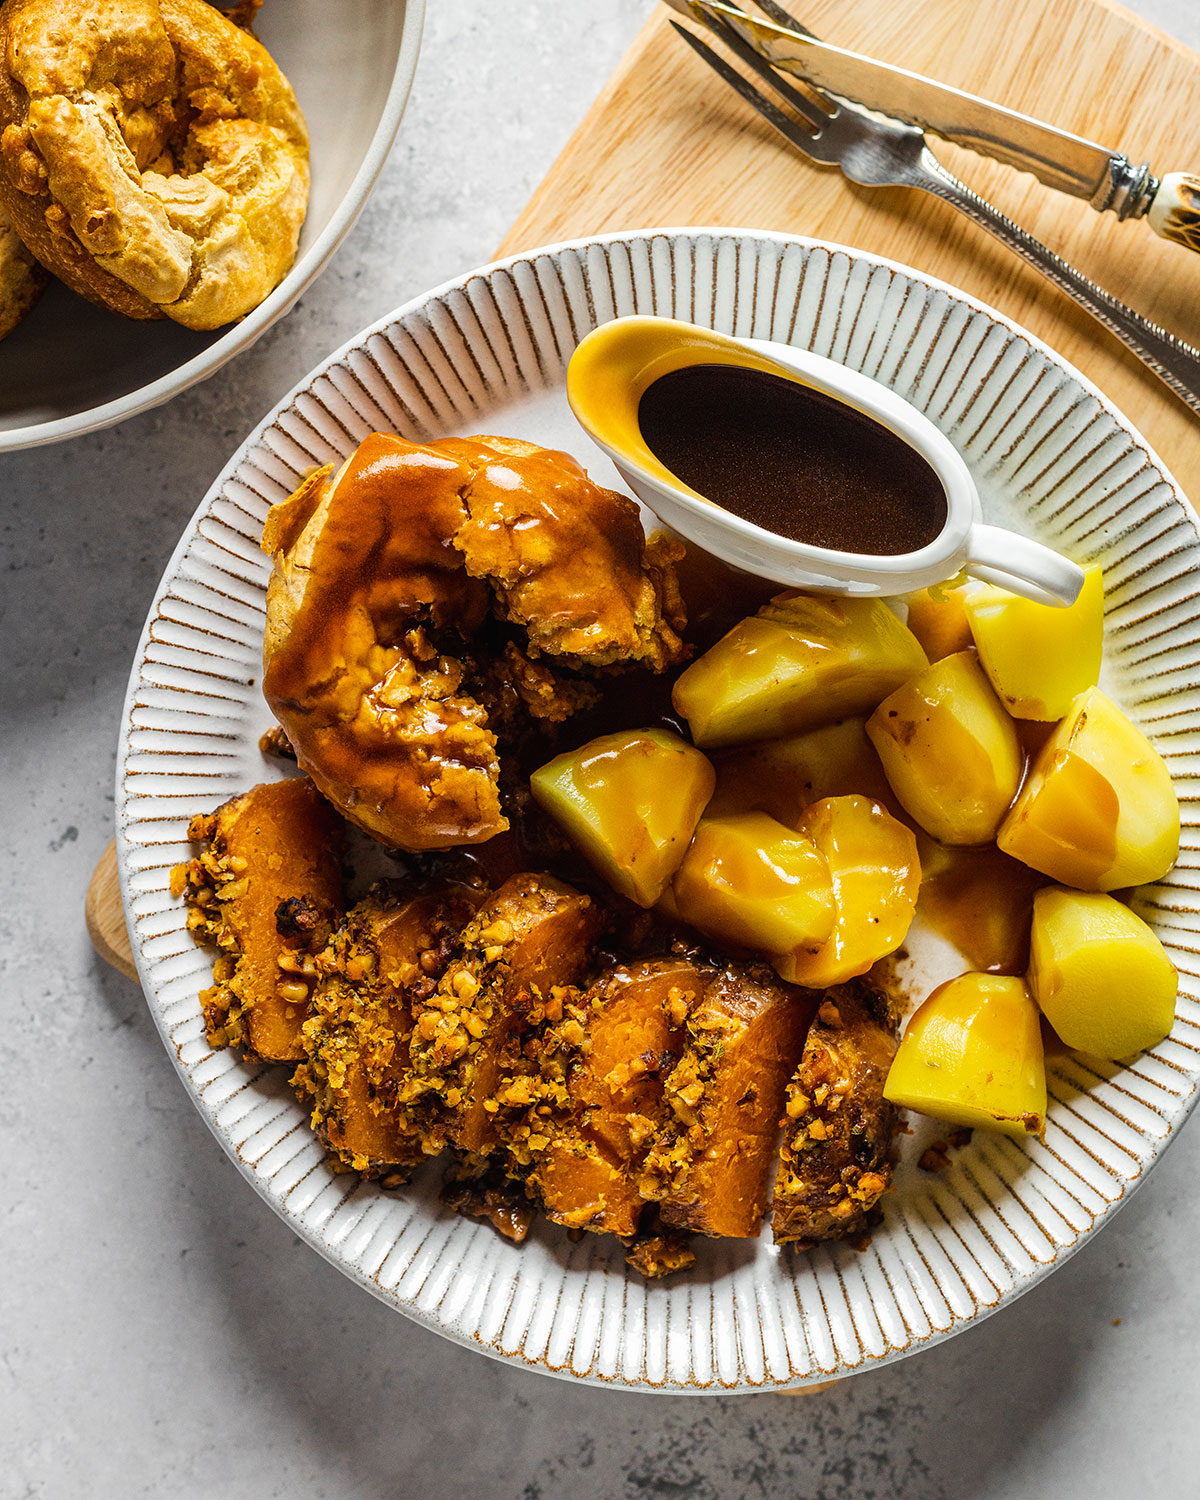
<point x="1051" y="459"/>
<point x="71" y="367"/>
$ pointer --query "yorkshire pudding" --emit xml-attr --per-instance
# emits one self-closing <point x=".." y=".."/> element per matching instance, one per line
<point x="153" y="155"/>
<point x="384" y="572"/>
<point x="21" y="278"/>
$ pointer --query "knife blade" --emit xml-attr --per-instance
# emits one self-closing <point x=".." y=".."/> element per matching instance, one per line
<point x="1070" y="163"/>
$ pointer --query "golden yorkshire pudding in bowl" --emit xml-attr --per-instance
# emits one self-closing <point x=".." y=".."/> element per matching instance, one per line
<point x="210" y="148"/>
<point x="22" y="279"/>
<point x="385" y="572"/>
<point x="153" y="155"/>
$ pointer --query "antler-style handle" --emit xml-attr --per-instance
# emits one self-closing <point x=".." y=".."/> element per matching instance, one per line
<point x="1175" y="210"/>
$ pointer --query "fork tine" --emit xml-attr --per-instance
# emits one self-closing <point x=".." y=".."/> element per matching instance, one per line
<point x="811" y="109"/>
<point x="784" y="124"/>
<point x="782" y="17"/>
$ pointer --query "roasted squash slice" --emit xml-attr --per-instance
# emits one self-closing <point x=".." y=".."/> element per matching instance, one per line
<point x="391" y="947"/>
<point x="835" y="1160"/>
<point x="708" y="1167"/>
<point x="505" y="980"/>
<point x="266" y="890"/>
<point x="632" y="1023"/>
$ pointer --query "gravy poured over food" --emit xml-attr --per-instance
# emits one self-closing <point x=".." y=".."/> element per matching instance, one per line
<point x="792" y="460"/>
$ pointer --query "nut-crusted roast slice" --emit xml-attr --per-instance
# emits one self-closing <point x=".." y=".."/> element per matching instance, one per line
<point x="630" y="1034"/>
<point x="505" y="979"/>
<point x="266" y="890"/>
<point x="709" y="1166"/>
<point x="835" y="1161"/>
<point x="391" y="947"/>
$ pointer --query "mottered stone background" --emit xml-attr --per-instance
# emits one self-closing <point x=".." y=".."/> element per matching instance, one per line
<point x="162" y="1334"/>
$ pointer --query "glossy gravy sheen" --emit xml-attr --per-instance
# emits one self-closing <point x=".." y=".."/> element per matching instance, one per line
<point x="792" y="460"/>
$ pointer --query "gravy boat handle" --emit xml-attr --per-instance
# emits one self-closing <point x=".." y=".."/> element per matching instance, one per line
<point x="1022" y="566"/>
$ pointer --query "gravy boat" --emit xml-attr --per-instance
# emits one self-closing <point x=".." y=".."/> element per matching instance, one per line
<point x="615" y="364"/>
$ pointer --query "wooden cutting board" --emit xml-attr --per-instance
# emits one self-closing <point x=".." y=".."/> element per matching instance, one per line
<point x="666" y="142"/>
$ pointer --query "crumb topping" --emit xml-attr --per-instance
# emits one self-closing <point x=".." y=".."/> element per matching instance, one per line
<point x="835" y="1160"/>
<point x="209" y="884"/>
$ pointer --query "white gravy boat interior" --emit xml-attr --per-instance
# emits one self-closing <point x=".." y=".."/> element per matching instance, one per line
<point x="617" y="362"/>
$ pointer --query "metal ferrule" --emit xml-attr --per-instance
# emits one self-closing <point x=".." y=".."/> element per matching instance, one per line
<point x="1127" y="190"/>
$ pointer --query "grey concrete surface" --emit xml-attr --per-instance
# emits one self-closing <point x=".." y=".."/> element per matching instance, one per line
<point x="162" y="1334"/>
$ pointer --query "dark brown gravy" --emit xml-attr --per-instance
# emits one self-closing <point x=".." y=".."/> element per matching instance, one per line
<point x="792" y="460"/>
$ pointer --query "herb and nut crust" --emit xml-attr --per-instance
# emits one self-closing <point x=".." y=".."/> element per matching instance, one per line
<point x="266" y="890"/>
<point x="835" y="1161"/>
<point x="386" y="955"/>
<point x="476" y="1047"/>
<point x="708" y="1167"/>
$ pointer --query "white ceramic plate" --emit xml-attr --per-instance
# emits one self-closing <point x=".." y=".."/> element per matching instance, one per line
<point x="487" y="353"/>
<point x="71" y="367"/>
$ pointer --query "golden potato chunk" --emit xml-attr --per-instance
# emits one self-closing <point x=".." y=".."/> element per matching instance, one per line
<point x="629" y="802"/>
<point x="633" y="1019"/>
<point x="1099" y="974"/>
<point x="267" y="891"/>
<point x="835" y="1159"/>
<point x="709" y="1165"/>
<point x="802" y="660"/>
<point x="937" y="616"/>
<point x="783" y="777"/>
<point x="1039" y="657"/>
<point x="876" y="875"/>
<point x="1097" y="810"/>
<point x="949" y="750"/>
<point x="972" y="1055"/>
<point x="748" y="880"/>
